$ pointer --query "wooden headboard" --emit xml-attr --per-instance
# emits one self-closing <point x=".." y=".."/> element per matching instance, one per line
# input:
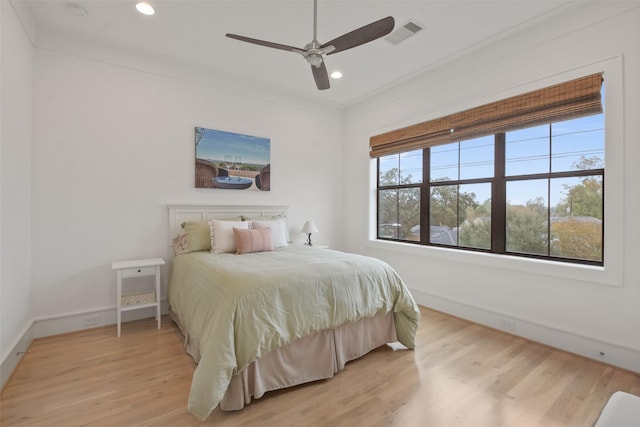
<point x="181" y="213"/>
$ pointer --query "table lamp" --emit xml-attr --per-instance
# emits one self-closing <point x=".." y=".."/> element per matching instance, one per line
<point x="309" y="227"/>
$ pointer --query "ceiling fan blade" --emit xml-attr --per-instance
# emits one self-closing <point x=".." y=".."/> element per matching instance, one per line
<point x="266" y="43"/>
<point x="321" y="76"/>
<point x="362" y="35"/>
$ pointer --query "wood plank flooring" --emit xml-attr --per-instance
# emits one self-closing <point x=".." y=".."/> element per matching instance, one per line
<point x="461" y="374"/>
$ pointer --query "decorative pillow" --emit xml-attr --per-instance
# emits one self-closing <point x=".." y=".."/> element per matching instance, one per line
<point x="248" y="241"/>
<point x="181" y="244"/>
<point x="212" y="243"/>
<point x="278" y="231"/>
<point x="197" y="236"/>
<point x="222" y="235"/>
<point x="269" y="218"/>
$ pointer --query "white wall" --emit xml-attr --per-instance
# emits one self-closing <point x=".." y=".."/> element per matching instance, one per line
<point x="15" y="180"/>
<point x="582" y="309"/>
<point x="113" y="145"/>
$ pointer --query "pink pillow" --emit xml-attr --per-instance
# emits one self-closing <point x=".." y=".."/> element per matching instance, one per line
<point x="248" y="241"/>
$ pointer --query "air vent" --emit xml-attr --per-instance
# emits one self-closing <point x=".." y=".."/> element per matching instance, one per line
<point x="404" y="32"/>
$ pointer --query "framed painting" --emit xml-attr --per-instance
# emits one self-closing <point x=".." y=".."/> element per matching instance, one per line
<point x="232" y="161"/>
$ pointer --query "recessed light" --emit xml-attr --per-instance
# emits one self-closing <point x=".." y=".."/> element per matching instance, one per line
<point x="336" y="75"/>
<point x="145" y="8"/>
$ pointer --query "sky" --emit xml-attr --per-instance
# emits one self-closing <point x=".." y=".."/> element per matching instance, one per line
<point x="233" y="147"/>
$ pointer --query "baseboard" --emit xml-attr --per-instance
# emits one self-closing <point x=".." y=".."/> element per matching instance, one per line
<point x="72" y="322"/>
<point x="62" y="324"/>
<point x="610" y="353"/>
<point x="11" y="360"/>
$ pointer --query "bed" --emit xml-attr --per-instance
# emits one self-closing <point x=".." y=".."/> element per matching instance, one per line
<point x="275" y="317"/>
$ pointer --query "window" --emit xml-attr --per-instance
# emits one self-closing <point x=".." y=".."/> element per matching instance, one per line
<point x="531" y="189"/>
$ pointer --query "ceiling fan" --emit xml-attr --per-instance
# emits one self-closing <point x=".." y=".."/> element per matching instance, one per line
<point x="314" y="52"/>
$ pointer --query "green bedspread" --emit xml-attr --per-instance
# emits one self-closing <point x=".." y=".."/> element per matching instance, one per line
<point x="236" y="308"/>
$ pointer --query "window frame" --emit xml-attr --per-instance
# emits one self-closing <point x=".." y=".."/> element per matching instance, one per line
<point x="498" y="183"/>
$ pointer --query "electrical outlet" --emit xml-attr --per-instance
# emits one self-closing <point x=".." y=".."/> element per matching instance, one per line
<point x="92" y="320"/>
<point x="507" y="325"/>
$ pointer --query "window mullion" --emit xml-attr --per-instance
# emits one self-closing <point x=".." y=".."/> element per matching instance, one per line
<point x="458" y="197"/>
<point x="396" y="229"/>
<point x="499" y="197"/>
<point x="549" y="189"/>
<point x="549" y="216"/>
<point x="425" y="197"/>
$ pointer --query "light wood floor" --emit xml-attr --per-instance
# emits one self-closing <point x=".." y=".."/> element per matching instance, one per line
<point x="460" y="374"/>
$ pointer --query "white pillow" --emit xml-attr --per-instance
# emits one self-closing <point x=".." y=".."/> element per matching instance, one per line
<point x="212" y="234"/>
<point x="222" y="235"/>
<point x="268" y="218"/>
<point x="278" y="231"/>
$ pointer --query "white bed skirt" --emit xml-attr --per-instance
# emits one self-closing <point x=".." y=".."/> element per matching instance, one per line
<point x="315" y="357"/>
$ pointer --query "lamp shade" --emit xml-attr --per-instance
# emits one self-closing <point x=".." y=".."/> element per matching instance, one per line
<point x="309" y="227"/>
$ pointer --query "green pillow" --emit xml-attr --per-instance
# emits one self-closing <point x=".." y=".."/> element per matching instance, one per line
<point x="198" y="235"/>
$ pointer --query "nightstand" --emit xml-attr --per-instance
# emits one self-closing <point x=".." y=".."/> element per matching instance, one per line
<point x="149" y="298"/>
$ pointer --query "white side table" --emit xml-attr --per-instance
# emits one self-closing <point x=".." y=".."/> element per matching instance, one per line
<point x="138" y="268"/>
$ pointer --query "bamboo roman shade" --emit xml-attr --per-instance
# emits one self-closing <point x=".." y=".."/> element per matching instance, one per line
<point x="572" y="99"/>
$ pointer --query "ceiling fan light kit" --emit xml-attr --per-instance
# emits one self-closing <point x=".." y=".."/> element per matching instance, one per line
<point x="314" y="52"/>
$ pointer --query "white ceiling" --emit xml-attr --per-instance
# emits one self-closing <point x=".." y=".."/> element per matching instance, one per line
<point x="193" y="31"/>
